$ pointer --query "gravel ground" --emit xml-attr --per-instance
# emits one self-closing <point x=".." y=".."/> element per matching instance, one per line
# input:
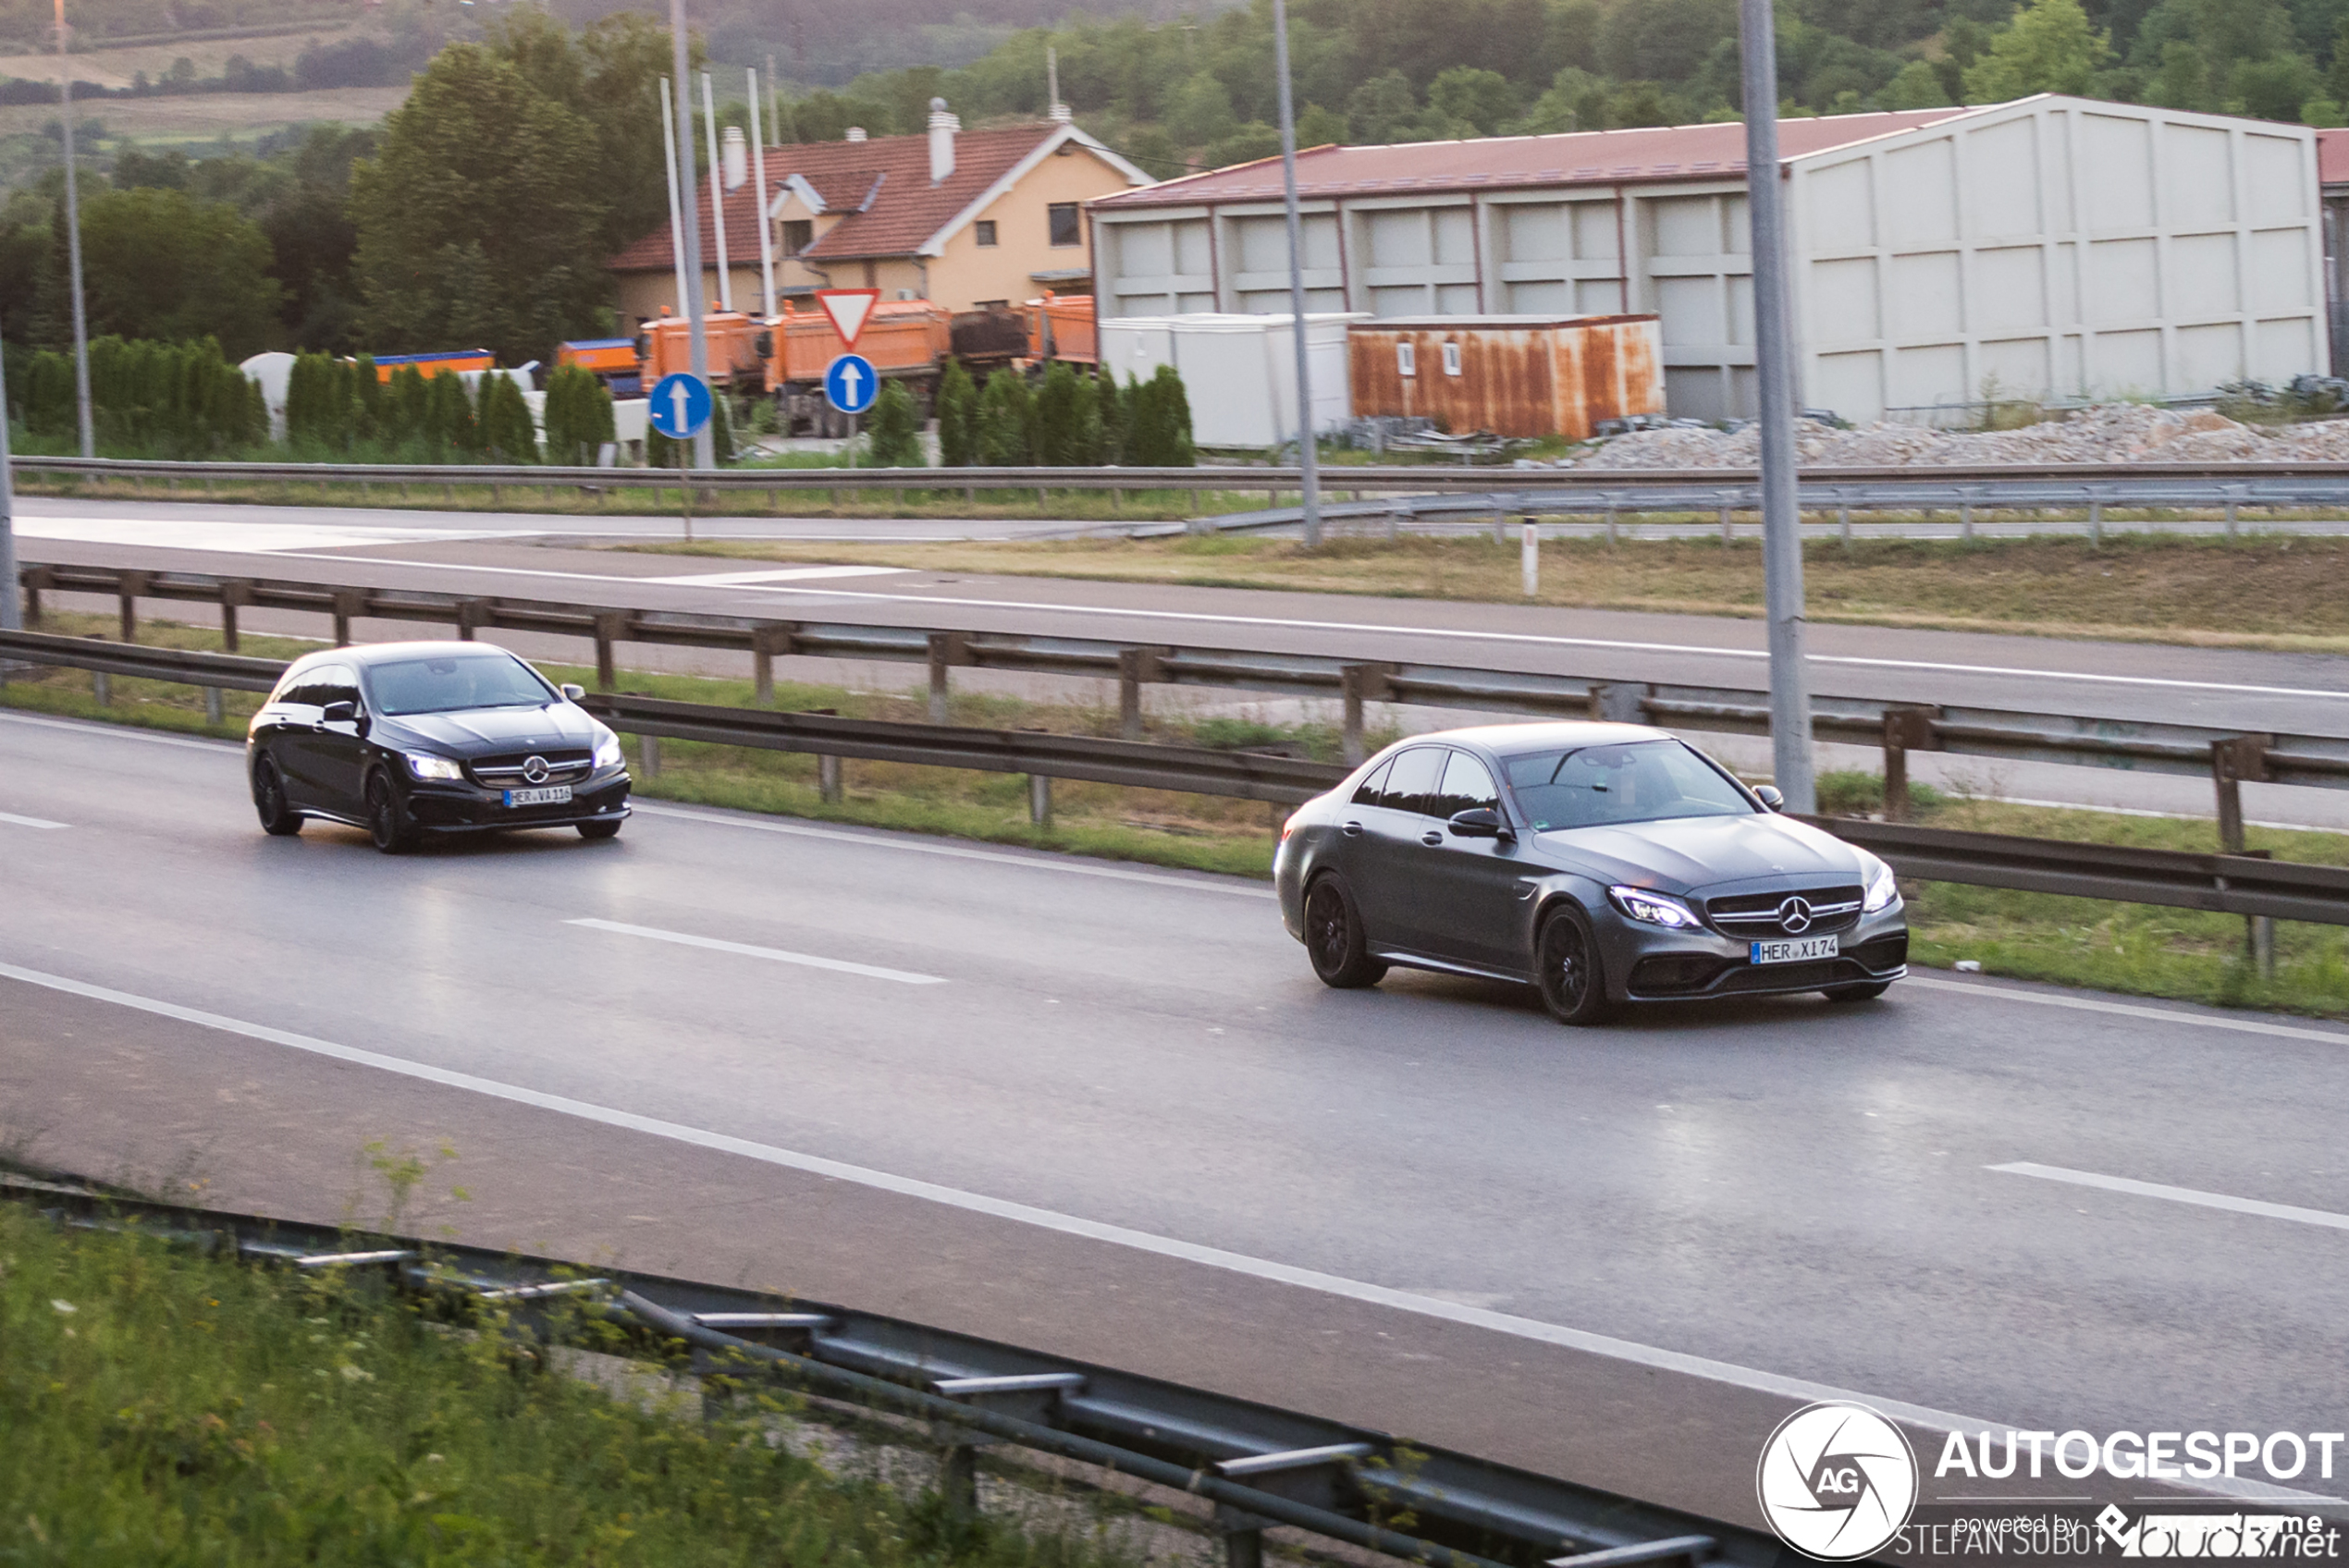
<point x="2106" y="434"/>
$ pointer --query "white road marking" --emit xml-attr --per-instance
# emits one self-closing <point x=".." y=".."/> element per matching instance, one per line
<point x="2125" y="1009"/>
<point x="1070" y="867"/>
<point x="772" y="955"/>
<point x="1074" y="1225"/>
<point x="744" y="579"/>
<point x="128" y="732"/>
<point x="242" y="538"/>
<point x="1445" y="632"/>
<point x="2178" y="1195"/>
<point x="15" y="821"/>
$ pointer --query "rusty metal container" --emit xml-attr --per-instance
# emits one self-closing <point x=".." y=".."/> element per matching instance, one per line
<point x="1513" y="376"/>
<point x="1060" y="326"/>
<point x="901" y="338"/>
<point x="733" y="340"/>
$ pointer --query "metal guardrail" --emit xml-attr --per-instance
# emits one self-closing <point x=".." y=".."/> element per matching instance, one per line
<point x="2234" y="884"/>
<point x="1259" y="1466"/>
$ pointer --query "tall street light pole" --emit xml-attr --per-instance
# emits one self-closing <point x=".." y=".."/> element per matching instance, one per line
<point x="73" y="247"/>
<point x="11" y="611"/>
<point x="705" y="451"/>
<point x="1308" y="456"/>
<point x="1773" y="354"/>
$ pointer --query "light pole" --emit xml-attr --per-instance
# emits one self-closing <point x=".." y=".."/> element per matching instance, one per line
<point x="1307" y="457"/>
<point x="705" y="451"/>
<point x="73" y="248"/>
<point x="1774" y="371"/>
<point x="11" y="612"/>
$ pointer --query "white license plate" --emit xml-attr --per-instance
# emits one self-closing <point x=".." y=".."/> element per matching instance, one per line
<point x="560" y="795"/>
<point x="1795" y="950"/>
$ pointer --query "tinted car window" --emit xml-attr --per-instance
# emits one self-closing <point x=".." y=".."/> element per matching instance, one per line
<point x="1367" y="795"/>
<point x="332" y="683"/>
<point x="299" y="685"/>
<point x="1468" y="785"/>
<point x="1638" y="781"/>
<point x="1411" y="778"/>
<point x="454" y="681"/>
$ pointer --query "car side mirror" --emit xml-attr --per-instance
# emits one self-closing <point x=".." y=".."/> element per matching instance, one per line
<point x="339" y="713"/>
<point x="1479" y="822"/>
<point x="1768" y="795"/>
<point x="574" y="692"/>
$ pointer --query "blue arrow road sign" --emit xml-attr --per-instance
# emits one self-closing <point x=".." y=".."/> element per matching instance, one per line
<point x="680" y="406"/>
<point x="851" y="382"/>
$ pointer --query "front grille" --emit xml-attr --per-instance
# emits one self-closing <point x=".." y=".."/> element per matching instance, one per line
<point x="1881" y="953"/>
<point x="1786" y="977"/>
<point x="1667" y="973"/>
<point x="567" y="765"/>
<point x="1747" y="916"/>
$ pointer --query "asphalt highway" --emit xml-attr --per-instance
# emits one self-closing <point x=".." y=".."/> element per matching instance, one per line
<point x="2053" y="1209"/>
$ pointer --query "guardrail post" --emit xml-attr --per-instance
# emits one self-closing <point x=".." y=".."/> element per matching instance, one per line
<point x="2234" y="493"/>
<point x="610" y="624"/>
<point x="1361" y="683"/>
<point x="35" y="580"/>
<point x="1529" y="558"/>
<point x="1039" y="800"/>
<point x="946" y="649"/>
<point x="1619" y="702"/>
<point x="232" y="595"/>
<point x="1134" y="666"/>
<point x="1905" y="729"/>
<point x="650" y="745"/>
<point x="1728" y="535"/>
<point x="2095" y="518"/>
<point x="128" y="587"/>
<point x="767" y="640"/>
<point x="348" y="603"/>
<point x="1243" y="1537"/>
<point x="212" y="714"/>
<point x="828" y="779"/>
<point x="1610" y="519"/>
<point x="958" y="1480"/>
<point x="470" y="614"/>
<point x="2232" y="760"/>
<point x="100" y="686"/>
<point x="1843" y="520"/>
<point x="1965" y="515"/>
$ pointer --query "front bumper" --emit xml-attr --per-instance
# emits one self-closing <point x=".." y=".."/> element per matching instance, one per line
<point x="1653" y="963"/>
<point x="442" y="807"/>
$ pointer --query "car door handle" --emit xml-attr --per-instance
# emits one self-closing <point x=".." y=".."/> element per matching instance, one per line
<point x="1352" y="830"/>
<point x="1431" y="836"/>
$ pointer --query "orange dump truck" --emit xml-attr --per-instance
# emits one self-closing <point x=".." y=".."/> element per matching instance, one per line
<point x="611" y="360"/>
<point x="430" y="365"/>
<point x="1060" y="326"/>
<point x="903" y="338"/>
<point x="738" y="347"/>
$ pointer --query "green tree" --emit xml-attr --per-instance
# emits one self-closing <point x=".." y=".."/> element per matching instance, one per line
<point x="896" y="429"/>
<point x="1006" y="422"/>
<point x="1116" y="416"/>
<point x="957" y="417"/>
<point x="1160" y="432"/>
<point x="159" y="264"/>
<point x="1918" y="86"/>
<point x="2048" y="47"/>
<point x="1201" y="112"/>
<point x="1068" y="420"/>
<point x="477" y="221"/>
<point x="1484" y="98"/>
<point x="1379" y="111"/>
<point x="579" y="416"/>
<point x="507" y="434"/>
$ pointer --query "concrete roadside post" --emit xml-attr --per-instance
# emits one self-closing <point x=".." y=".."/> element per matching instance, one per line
<point x="704" y="452"/>
<point x="11" y="611"/>
<point x="2233" y="760"/>
<point x="1790" y="753"/>
<point x="1529" y="561"/>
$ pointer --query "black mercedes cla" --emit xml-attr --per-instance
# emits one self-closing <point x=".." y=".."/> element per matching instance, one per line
<point x="1603" y="863"/>
<point x="408" y="739"/>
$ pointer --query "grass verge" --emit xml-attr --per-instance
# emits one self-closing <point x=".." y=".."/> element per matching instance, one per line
<point x="2272" y="591"/>
<point x="2182" y="954"/>
<point x="166" y="1406"/>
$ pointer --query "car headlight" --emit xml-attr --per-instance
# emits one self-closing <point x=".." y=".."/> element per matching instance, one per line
<point x="608" y="752"/>
<point x="1653" y="909"/>
<point x="1884" y="890"/>
<point x="425" y="766"/>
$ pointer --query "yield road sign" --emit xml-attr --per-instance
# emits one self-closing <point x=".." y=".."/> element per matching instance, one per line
<point x="849" y="310"/>
<point x="680" y="405"/>
<point x="850" y="383"/>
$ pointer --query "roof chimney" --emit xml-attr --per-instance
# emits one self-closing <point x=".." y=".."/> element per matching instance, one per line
<point x="942" y="127"/>
<point x="735" y="158"/>
<point x="855" y="133"/>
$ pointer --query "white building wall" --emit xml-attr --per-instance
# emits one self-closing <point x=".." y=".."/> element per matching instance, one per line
<point x="2053" y="246"/>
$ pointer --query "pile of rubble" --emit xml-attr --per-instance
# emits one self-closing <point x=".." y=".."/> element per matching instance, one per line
<point x="2107" y="432"/>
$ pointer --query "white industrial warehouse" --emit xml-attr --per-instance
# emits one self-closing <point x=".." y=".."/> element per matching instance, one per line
<point x="2052" y="247"/>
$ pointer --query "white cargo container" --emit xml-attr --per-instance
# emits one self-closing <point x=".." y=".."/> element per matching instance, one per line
<point x="1239" y="371"/>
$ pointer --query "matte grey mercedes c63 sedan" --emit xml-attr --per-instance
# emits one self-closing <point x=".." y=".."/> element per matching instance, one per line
<point x="1603" y="862"/>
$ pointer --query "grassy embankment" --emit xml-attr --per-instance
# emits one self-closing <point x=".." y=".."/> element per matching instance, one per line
<point x="166" y="1407"/>
<point x="2132" y="947"/>
<point x="2273" y="591"/>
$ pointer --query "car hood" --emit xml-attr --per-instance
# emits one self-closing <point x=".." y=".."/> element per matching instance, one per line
<point x="475" y="732"/>
<point x="1682" y="855"/>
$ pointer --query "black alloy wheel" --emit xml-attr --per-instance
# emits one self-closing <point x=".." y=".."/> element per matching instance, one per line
<point x="278" y="819"/>
<point x="1867" y="993"/>
<point x="594" y="830"/>
<point x="390" y="831"/>
<point x="1334" y="937"/>
<point x="1566" y="968"/>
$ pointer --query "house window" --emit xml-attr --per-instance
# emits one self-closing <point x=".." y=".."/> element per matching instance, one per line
<point x="798" y="234"/>
<point x="1066" y="227"/>
<point x="1451" y="358"/>
<point x="985" y="227"/>
<point x="1406" y="358"/>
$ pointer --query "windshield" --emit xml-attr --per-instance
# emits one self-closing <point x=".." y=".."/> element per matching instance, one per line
<point x="1638" y="781"/>
<point x="458" y="681"/>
